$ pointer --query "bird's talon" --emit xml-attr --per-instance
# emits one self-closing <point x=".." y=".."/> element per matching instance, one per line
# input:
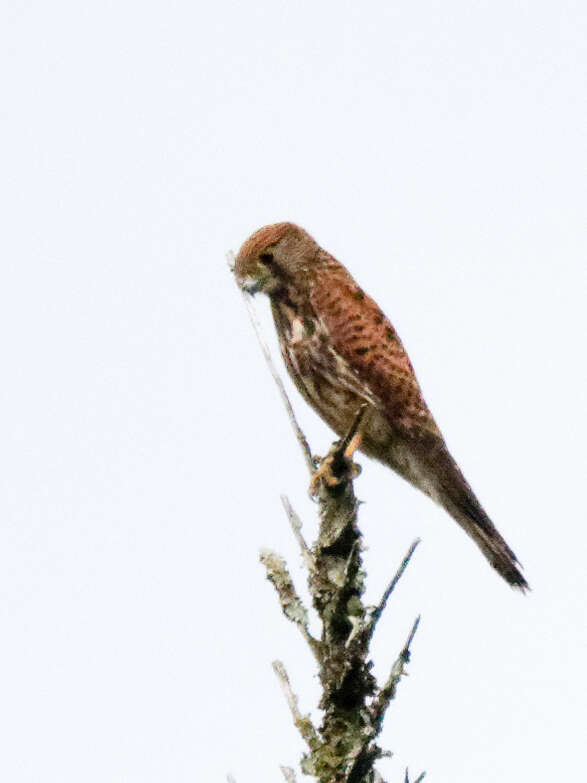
<point x="323" y="471"/>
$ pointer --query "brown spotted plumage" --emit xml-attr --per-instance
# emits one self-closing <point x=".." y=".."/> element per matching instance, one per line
<point x="341" y="352"/>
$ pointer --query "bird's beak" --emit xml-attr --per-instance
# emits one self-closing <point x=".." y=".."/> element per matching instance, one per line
<point x="250" y="285"/>
<point x="253" y="284"/>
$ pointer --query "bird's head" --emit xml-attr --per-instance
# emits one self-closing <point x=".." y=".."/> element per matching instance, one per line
<point x="275" y="257"/>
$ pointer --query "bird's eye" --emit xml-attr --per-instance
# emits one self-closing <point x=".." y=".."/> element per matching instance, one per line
<point x="266" y="258"/>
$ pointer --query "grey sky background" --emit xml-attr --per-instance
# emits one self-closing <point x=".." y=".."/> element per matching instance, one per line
<point x="437" y="149"/>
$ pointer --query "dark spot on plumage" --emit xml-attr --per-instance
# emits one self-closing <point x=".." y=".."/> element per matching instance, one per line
<point x="309" y="326"/>
<point x="379" y="317"/>
<point x="362" y="351"/>
<point x="268" y="260"/>
<point x="280" y="295"/>
<point x="358" y="295"/>
<point x="389" y="333"/>
<point x="284" y="296"/>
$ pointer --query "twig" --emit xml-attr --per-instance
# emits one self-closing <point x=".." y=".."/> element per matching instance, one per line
<point x="378" y="611"/>
<point x="301" y="438"/>
<point x="419" y="779"/>
<point x="296" y="526"/>
<point x="291" y="604"/>
<point x="368" y="753"/>
<point x="288" y="774"/>
<point x="303" y="724"/>
<point x="387" y="693"/>
<point x="363" y="762"/>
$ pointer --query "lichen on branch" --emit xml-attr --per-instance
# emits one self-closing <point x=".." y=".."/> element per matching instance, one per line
<point x="344" y="748"/>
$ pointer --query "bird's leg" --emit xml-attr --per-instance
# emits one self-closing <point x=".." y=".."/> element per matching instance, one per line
<point x="338" y="463"/>
<point x="353" y="445"/>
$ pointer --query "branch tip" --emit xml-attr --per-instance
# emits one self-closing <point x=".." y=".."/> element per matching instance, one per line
<point x="300" y="437"/>
<point x="291" y="604"/>
<point x="288" y="774"/>
<point x="387" y="693"/>
<point x="378" y="611"/>
<point x="303" y="723"/>
<point x="296" y="526"/>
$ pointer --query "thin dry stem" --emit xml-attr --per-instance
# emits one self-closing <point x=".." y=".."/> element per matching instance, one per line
<point x="387" y="693"/>
<point x="302" y="723"/>
<point x="300" y="437"/>
<point x="419" y="779"/>
<point x="291" y="604"/>
<point x="296" y="526"/>
<point x="390" y="588"/>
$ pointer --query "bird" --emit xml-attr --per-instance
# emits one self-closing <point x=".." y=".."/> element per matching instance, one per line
<point x="342" y="353"/>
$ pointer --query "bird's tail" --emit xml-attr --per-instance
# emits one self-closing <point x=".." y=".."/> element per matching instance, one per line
<point x="474" y="521"/>
<point x="457" y="497"/>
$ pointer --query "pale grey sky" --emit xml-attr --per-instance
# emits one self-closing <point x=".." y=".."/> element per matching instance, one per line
<point x="439" y="150"/>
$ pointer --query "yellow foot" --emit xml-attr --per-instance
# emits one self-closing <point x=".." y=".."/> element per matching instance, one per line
<point x="352" y="445"/>
<point x="341" y="462"/>
<point x="323" y="471"/>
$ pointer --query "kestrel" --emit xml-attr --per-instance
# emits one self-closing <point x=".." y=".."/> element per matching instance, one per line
<point x="342" y="352"/>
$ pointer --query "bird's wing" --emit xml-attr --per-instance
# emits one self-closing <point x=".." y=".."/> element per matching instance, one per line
<point x="366" y="341"/>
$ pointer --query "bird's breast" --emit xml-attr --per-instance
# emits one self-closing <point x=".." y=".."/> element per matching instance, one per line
<point x="321" y="374"/>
